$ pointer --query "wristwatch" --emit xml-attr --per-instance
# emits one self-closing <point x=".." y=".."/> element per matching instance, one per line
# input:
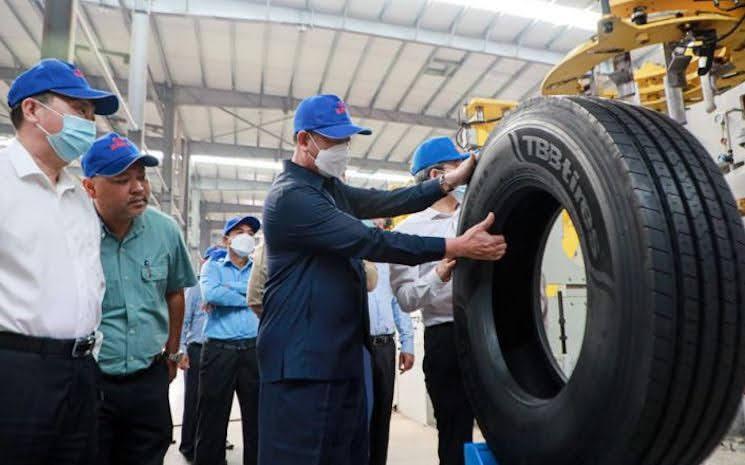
<point x="175" y="358"/>
<point x="444" y="186"/>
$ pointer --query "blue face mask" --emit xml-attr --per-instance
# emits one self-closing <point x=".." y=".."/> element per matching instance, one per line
<point x="459" y="193"/>
<point x="75" y="138"/>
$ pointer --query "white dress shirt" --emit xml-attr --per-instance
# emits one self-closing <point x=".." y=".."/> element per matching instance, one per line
<point x="51" y="280"/>
<point x="419" y="287"/>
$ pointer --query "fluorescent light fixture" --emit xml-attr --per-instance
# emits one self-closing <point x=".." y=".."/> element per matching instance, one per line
<point x="388" y="176"/>
<point x="276" y="166"/>
<point x="543" y="11"/>
<point x="258" y="163"/>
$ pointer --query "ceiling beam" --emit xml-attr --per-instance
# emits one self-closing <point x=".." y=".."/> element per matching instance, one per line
<point x="208" y="97"/>
<point x="267" y="13"/>
<point x="225" y="184"/>
<point x="246" y="152"/>
<point x="238" y="208"/>
<point x="192" y="95"/>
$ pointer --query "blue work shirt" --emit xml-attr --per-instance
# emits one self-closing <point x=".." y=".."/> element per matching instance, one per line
<point x="385" y="313"/>
<point x="194" y="318"/>
<point x="315" y="305"/>
<point x="224" y="287"/>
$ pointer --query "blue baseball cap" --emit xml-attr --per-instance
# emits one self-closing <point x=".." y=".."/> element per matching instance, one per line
<point x="328" y="116"/>
<point x="252" y="221"/>
<point x="214" y="252"/>
<point x="111" y="155"/>
<point x="434" y="151"/>
<point x="63" y="78"/>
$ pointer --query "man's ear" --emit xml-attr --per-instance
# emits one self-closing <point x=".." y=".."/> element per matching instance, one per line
<point x="29" y="107"/>
<point x="433" y="173"/>
<point x="303" y="139"/>
<point x="89" y="187"/>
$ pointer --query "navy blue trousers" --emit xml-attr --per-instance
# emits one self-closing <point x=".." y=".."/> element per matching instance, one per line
<point x="311" y="422"/>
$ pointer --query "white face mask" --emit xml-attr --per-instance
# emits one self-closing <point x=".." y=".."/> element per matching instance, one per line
<point x="459" y="193"/>
<point x="332" y="162"/>
<point x="243" y="245"/>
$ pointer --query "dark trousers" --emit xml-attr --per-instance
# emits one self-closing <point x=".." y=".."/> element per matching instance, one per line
<point x="383" y="376"/>
<point x="47" y="409"/>
<point x="444" y="382"/>
<point x="227" y="367"/>
<point x="310" y="422"/>
<point x="191" y="399"/>
<point x="134" y="417"/>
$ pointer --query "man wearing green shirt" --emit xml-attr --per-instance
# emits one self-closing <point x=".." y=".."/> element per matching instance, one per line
<point x="147" y="267"/>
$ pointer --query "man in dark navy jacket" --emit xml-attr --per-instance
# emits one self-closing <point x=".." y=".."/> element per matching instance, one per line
<point x="310" y="343"/>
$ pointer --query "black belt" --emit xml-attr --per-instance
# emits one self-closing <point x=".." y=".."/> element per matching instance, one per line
<point x="66" y="348"/>
<point x="195" y="344"/>
<point x="232" y="344"/>
<point x="381" y="340"/>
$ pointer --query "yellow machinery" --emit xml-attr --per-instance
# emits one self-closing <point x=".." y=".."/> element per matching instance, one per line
<point x="704" y="48"/>
<point x="650" y="85"/>
<point x="478" y="118"/>
<point x="709" y="35"/>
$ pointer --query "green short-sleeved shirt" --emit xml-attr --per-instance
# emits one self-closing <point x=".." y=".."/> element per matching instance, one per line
<point x="150" y="262"/>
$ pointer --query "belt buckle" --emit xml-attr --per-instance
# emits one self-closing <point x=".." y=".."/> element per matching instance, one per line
<point x="83" y="346"/>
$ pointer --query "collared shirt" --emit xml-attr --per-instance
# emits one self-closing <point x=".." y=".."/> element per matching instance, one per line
<point x="51" y="282"/>
<point x="419" y="287"/>
<point x="194" y="318"/>
<point x="315" y="303"/>
<point x="224" y="287"/>
<point x="385" y="313"/>
<point x="150" y="262"/>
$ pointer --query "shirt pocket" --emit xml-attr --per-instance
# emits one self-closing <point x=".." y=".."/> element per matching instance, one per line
<point x="154" y="277"/>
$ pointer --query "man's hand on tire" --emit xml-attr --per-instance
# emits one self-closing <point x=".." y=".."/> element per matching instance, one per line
<point x="477" y="243"/>
<point x="462" y="174"/>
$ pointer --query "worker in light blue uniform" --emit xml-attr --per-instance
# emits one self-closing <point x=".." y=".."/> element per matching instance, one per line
<point x="228" y="363"/>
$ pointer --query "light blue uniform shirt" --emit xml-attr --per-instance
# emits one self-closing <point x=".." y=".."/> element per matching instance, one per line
<point x="385" y="314"/>
<point x="224" y="287"/>
<point x="194" y="318"/>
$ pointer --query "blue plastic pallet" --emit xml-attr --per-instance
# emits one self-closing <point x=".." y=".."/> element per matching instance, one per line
<point x="479" y="454"/>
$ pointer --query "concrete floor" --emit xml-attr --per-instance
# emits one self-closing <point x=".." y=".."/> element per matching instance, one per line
<point x="411" y="443"/>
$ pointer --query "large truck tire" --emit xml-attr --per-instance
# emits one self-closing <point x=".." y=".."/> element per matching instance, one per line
<point x="661" y="369"/>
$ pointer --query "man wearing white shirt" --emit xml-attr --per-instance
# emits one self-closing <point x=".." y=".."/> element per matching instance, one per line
<point x="428" y="288"/>
<point x="51" y="281"/>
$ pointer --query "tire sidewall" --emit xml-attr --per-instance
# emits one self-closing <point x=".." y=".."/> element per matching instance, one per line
<point x="550" y="146"/>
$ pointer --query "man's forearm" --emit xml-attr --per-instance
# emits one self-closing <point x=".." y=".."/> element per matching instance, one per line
<point x="175" y="301"/>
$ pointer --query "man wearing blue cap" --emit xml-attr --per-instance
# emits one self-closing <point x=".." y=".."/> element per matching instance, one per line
<point x="147" y="267"/>
<point x="51" y="282"/>
<point x="427" y="287"/>
<point x="229" y="364"/>
<point x="315" y="320"/>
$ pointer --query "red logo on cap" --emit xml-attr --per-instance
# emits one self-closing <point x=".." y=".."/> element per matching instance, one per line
<point x="78" y="73"/>
<point x="117" y="143"/>
<point x="341" y="108"/>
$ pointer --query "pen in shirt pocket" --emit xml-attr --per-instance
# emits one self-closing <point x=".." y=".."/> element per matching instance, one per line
<point x="149" y="269"/>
